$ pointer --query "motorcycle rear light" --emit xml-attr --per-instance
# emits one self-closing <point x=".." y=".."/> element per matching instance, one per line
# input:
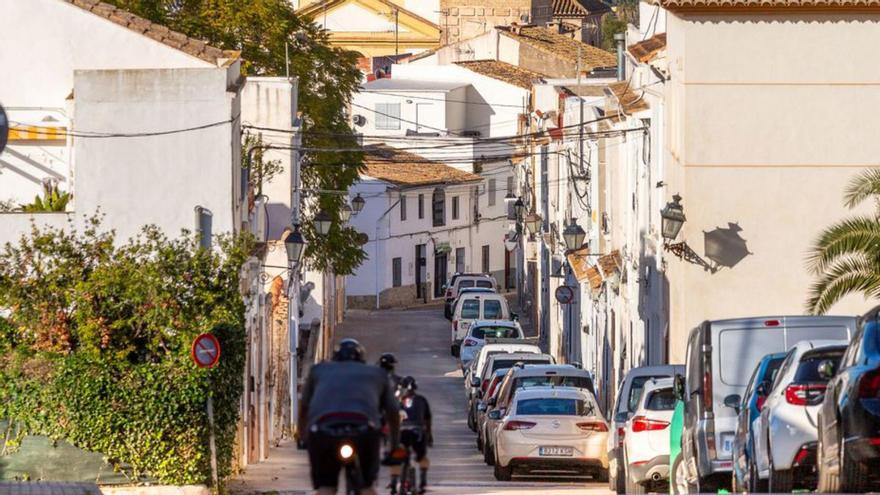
<point x="641" y="423"/>
<point x="515" y="425"/>
<point x="592" y="426"/>
<point x="804" y="394"/>
<point x="470" y="342"/>
<point x="869" y="385"/>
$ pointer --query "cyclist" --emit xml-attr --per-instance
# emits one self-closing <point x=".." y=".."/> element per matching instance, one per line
<point x="387" y="362"/>
<point x="346" y="391"/>
<point x="415" y="431"/>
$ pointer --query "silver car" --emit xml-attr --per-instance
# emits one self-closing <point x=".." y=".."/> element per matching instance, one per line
<point x="481" y="331"/>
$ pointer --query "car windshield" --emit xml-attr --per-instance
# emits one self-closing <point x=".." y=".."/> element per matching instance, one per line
<point x="661" y="400"/>
<point x="635" y="390"/>
<point x="492" y="309"/>
<point x="553" y="407"/>
<point x="484" y="283"/>
<point x="556" y="380"/>
<point x="470" y="309"/>
<point x="808" y="369"/>
<point x="494" y="332"/>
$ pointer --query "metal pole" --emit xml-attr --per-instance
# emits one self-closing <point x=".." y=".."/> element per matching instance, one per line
<point x="293" y="278"/>
<point x="211" y="445"/>
<point x="396" y="31"/>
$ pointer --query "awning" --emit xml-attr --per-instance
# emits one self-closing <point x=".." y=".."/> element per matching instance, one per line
<point x="578" y="261"/>
<point x="37" y="133"/>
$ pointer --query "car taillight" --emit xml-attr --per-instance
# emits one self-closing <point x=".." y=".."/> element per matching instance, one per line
<point x="869" y="385"/>
<point x="707" y="388"/>
<point x="759" y="402"/>
<point x="592" y="426"/>
<point x="621" y="433"/>
<point x="470" y="342"/>
<point x="514" y="425"/>
<point x="455" y="326"/>
<point x="485" y="384"/>
<point x="641" y="423"/>
<point x="448" y="293"/>
<point x="804" y="394"/>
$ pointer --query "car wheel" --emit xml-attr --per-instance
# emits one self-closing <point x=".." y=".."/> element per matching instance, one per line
<point x="634" y="487"/>
<point x="755" y="483"/>
<point x="853" y="475"/>
<point x="678" y="477"/>
<point x="780" y="481"/>
<point x="601" y="475"/>
<point x="828" y="483"/>
<point x="479" y="442"/>
<point x="503" y="473"/>
<point x="488" y="455"/>
<point x="471" y="421"/>
<point x="454" y="350"/>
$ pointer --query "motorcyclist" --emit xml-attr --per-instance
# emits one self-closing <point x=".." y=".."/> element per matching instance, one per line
<point x="346" y="391"/>
<point x="387" y="362"/>
<point x="415" y="431"/>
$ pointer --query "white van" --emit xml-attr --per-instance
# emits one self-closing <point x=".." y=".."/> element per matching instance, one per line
<point x="471" y="307"/>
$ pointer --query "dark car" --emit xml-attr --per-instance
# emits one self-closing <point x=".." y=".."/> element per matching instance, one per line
<point x="744" y="471"/>
<point x="848" y="451"/>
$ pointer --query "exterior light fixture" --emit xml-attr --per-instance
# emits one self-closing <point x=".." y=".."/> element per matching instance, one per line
<point x="322" y="222"/>
<point x="519" y="207"/>
<point x="533" y="223"/>
<point x="345" y="212"/>
<point x="357" y="204"/>
<point x="509" y="197"/>
<point x="294" y="244"/>
<point x="673" y="218"/>
<point x="573" y="235"/>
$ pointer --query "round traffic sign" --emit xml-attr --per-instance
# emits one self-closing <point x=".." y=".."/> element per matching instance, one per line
<point x="564" y="294"/>
<point x="205" y="351"/>
<point x="4" y="128"/>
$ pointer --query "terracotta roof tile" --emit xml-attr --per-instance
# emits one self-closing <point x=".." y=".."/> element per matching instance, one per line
<point x="578" y="8"/>
<point x="406" y="169"/>
<point x="645" y="51"/>
<point x="610" y="263"/>
<point x="503" y="71"/>
<point x="768" y="4"/>
<point x="624" y="98"/>
<point x="196" y="48"/>
<point x="579" y="263"/>
<point x="550" y="41"/>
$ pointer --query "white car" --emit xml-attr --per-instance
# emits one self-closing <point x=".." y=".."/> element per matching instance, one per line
<point x="551" y="429"/>
<point x="481" y="330"/>
<point x="476" y="365"/>
<point x="474" y="306"/>
<point x="785" y="431"/>
<point x="646" y="438"/>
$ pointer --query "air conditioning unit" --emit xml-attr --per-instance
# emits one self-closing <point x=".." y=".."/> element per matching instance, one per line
<point x="260" y="226"/>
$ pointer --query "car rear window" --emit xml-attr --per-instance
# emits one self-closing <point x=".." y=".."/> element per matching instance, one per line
<point x="484" y="284"/>
<point x="772" y="368"/>
<point x="470" y="309"/>
<point x="635" y="390"/>
<point x="465" y="283"/>
<point x="492" y="332"/>
<point x="492" y="309"/>
<point x="808" y="369"/>
<point x="661" y="400"/>
<point x="552" y="406"/>
<point x="507" y="363"/>
<point x="554" y="380"/>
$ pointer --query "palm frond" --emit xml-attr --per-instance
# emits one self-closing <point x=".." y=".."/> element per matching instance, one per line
<point x="862" y="187"/>
<point x="829" y="290"/>
<point x="854" y="236"/>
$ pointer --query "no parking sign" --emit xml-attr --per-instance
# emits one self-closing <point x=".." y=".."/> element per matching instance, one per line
<point x="205" y="351"/>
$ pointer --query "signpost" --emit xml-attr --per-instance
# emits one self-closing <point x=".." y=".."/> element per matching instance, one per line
<point x="564" y="294"/>
<point x="4" y="128"/>
<point x="206" y="353"/>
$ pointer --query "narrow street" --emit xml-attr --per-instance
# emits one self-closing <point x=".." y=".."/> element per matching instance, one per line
<point x="420" y="339"/>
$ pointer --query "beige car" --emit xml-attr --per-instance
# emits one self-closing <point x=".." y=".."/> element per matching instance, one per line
<point x="550" y="430"/>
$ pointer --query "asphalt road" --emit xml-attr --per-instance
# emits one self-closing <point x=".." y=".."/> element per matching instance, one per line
<point x="420" y="340"/>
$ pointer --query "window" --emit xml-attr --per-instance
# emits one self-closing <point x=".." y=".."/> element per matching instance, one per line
<point x="470" y="309"/>
<point x="396" y="269"/>
<point x="492" y="190"/>
<point x="402" y="207"/>
<point x="553" y="407"/>
<point x="661" y="400"/>
<point x="459" y="260"/>
<point x="485" y="259"/>
<point x="492" y="310"/>
<point x="204" y="221"/>
<point x="476" y="203"/>
<point x="485" y="284"/>
<point x="388" y="116"/>
<point x="494" y="332"/>
<point x="511" y="212"/>
<point x="455" y="207"/>
<point x="421" y="206"/>
<point x="438" y="207"/>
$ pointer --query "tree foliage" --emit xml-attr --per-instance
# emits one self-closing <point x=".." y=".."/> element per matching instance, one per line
<point x="261" y="29"/>
<point x="846" y="256"/>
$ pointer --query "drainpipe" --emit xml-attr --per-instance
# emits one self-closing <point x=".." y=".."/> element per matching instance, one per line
<point x="376" y="248"/>
<point x="620" y="41"/>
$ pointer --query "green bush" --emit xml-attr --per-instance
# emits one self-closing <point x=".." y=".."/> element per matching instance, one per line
<point x="95" y="349"/>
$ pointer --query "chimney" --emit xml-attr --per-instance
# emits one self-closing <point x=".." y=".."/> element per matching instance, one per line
<point x="620" y="40"/>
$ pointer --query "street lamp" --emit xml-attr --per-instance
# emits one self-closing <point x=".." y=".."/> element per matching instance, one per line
<point x="573" y="235"/>
<point x="509" y="197"/>
<point x="673" y="218"/>
<point x="533" y="223"/>
<point x="519" y="208"/>
<point x="345" y="213"/>
<point x="357" y="204"/>
<point x="322" y="222"/>
<point x="295" y="245"/>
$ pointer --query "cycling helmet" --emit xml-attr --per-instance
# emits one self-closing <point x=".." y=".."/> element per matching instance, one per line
<point x="387" y="361"/>
<point x="350" y="350"/>
<point x="409" y="384"/>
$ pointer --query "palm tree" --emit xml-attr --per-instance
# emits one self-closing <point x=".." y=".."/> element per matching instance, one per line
<point x="846" y="256"/>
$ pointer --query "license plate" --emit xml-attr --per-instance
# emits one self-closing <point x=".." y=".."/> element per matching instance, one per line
<point x="556" y="451"/>
<point x="727" y="443"/>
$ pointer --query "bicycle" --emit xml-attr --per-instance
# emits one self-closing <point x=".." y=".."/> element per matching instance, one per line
<point x="410" y="475"/>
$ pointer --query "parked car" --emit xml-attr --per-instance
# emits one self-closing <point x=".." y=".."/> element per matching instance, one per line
<point x="491" y="349"/>
<point x="466" y="280"/>
<point x="476" y="306"/>
<point x="549" y="428"/>
<point x="646" y="442"/>
<point x="785" y="450"/>
<point x="481" y="330"/>
<point x="627" y="399"/>
<point x="480" y="382"/>
<point x="848" y="450"/>
<point x="721" y="355"/>
<point x="520" y="377"/>
<point x="745" y="473"/>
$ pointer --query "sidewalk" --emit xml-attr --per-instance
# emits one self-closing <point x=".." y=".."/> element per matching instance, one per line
<point x="41" y="488"/>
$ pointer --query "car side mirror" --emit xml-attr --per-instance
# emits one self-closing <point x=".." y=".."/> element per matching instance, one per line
<point x="475" y="381"/>
<point x="732" y="401"/>
<point x="678" y="387"/>
<point x="494" y="414"/>
<point x="827" y="369"/>
<point x="493" y="401"/>
<point x="514" y="316"/>
<point x="482" y="407"/>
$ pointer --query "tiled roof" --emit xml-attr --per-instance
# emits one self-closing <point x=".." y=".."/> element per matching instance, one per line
<point x="406" y="169"/>
<point x="551" y="42"/>
<point x="628" y="100"/>
<point x="578" y="8"/>
<point x="503" y="72"/>
<point x="769" y="4"/>
<point x="158" y="32"/>
<point x="644" y="51"/>
<point x="610" y="263"/>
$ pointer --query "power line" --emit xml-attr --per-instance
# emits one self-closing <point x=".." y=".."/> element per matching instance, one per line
<point x="104" y="135"/>
<point x="506" y="105"/>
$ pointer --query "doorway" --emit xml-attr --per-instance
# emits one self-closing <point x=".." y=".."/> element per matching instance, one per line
<point x="440" y="268"/>
<point x="421" y="275"/>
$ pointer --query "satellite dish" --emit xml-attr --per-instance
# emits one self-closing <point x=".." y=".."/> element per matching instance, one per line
<point x="359" y="120"/>
<point x="4" y="128"/>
